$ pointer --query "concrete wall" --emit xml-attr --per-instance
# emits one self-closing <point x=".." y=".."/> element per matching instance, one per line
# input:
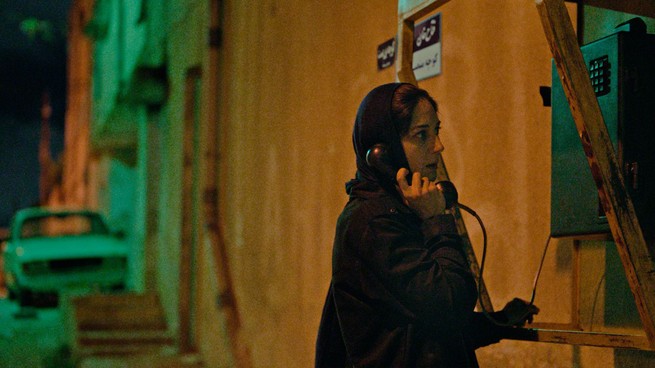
<point x="294" y="73"/>
<point x="290" y="77"/>
<point x="186" y="51"/>
<point x="122" y="168"/>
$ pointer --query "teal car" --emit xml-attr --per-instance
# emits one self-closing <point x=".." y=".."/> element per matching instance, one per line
<point x="51" y="250"/>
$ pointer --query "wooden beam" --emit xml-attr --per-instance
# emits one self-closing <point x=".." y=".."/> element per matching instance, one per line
<point x="414" y="10"/>
<point x="600" y="339"/>
<point x="484" y="301"/>
<point x="620" y="212"/>
<point x="408" y="13"/>
<point x="188" y="238"/>
<point x="404" y="69"/>
<point x="575" y="286"/>
<point x="554" y="326"/>
<point x="226" y="299"/>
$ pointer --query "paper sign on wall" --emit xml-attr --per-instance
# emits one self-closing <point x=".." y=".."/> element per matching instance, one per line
<point x="426" y="61"/>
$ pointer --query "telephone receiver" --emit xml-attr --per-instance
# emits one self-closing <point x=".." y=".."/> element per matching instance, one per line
<point x="378" y="158"/>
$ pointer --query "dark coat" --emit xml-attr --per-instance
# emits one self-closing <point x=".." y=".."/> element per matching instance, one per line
<point x="402" y="294"/>
<point x="398" y="298"/>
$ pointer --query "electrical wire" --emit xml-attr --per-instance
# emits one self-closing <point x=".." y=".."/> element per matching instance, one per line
<point x="593" y="307"/>
<point x="485" y="312"/>
<point x="536" y="277"/>
<point x="482" y="261"/>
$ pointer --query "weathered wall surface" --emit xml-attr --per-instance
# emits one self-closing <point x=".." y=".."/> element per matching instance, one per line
<point x="292" y="74"/>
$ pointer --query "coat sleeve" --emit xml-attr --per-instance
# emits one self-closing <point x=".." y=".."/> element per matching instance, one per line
<point x="423" y="267"/>
<point x="482" y="332"/>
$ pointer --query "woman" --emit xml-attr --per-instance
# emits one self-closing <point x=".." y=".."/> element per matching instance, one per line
<point x="402" y="294"/>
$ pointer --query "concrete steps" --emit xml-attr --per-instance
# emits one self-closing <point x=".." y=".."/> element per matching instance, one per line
<point x="143" y="361"/>
<point x="123" y="330"/>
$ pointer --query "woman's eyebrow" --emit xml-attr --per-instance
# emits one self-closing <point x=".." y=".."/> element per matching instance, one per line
<point x="421" y="126"/>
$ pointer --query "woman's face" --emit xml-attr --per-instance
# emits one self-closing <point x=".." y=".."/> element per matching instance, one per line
<point x="421" y="143"/>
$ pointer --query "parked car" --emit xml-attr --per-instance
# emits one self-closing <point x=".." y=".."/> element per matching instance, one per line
<point x="50" y="250"/>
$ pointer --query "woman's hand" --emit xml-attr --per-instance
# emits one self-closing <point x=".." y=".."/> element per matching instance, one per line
<point x="422" y="196"/>
<point x="518" y="312"/>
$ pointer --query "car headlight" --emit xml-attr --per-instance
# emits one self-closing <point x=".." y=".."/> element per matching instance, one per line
<point x="11" y="279"/>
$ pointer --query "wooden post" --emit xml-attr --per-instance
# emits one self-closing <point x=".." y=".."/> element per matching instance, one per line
<point x="407" y="15"/>
<point x="405" y="49"/>
<point x="76" y="176"/>
<point x="188" y="241"/>
<point x="227" y="301"/>
<point x="575" y="287"/>
<point x="620" y="212"/>
<point x="46" y="179"/>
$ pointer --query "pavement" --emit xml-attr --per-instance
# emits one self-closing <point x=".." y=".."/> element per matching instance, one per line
<point x="31" y="337"/>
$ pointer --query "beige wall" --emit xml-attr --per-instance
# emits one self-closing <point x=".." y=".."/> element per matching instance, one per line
<point x="292" y="74"/>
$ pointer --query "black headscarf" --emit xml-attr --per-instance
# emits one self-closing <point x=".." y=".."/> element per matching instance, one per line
<point x="374" y="124"/>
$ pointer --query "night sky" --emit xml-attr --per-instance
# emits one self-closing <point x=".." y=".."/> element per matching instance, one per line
<point x="32" y="60"/>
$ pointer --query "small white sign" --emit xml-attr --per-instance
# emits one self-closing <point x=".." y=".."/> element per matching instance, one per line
<point x="426" y="61"/>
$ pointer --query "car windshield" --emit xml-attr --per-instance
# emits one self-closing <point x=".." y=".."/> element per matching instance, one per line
<point x="62" y="225"/>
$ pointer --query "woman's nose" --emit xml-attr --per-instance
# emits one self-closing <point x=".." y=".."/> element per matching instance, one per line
<point x="438" y="146"/>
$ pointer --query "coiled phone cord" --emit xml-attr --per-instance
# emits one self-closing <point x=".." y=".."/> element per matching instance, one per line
<point x="484" y="256"/>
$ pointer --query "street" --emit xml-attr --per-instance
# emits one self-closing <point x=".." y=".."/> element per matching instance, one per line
<point x="32" y="337"/>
